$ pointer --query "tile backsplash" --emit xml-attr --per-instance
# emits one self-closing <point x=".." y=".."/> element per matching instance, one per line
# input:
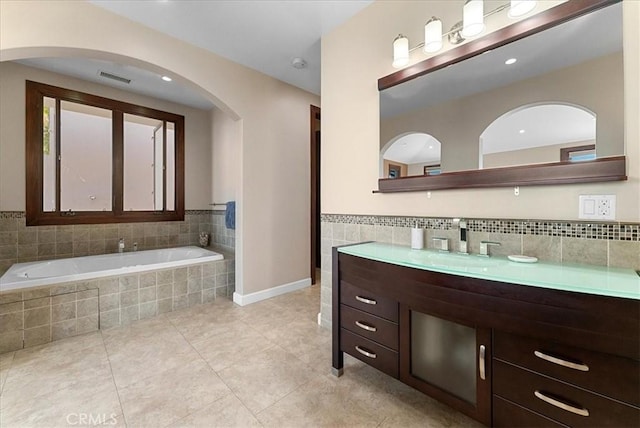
<point x="599" y="243"/>
<point x="19" y="243"/>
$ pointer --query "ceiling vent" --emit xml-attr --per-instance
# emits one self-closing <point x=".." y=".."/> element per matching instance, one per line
<point x="114" y="77"/>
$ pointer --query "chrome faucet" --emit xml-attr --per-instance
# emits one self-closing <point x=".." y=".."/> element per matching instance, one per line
<point x="462" y="224"/>
<point x="484" y="247"/>
<point x="121" y="245"/>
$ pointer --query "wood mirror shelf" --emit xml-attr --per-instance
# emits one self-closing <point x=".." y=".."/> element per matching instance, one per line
<point x="611" y="168"/>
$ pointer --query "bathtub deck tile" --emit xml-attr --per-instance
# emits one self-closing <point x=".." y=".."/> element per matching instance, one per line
<point x="110" y="319"/>
<point x="165" y="306"/>
<point x="63" y="312"/>
<point x="195" y="298"/>
<point x="87" y="307"/>
<point x="6" y="308"/>
<point x="55" y="290"/>
<point x="129" y="314"/>
<point x="37" y="336"/>
<point x="148" y="310"/>
<point x="108" y="286"/>
<point x="109" y="302"/>
<point x="11" y="322"/>
<point x="147" y="279"/>
<point x="63" y="329"/>
<point x="37" y="317"/>
<point x="87" y="324"/>
<point x="147" y="294"/>
<point x="129" y="298"/>
<point x="11" y="341"/>
<point x="128" y="283"/>
<point x="164" y="291"/>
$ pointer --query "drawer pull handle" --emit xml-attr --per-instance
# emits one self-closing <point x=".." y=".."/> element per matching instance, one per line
<point x="365" y="353"/>
<point x="481" y="362"/>
<point x="366" y="326"/>
<point x="561" y="362"/>
<point x="365" y="300"/>
<point x="564" y="406"/>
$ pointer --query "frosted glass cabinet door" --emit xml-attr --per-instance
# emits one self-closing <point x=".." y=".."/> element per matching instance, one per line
<point x="448" y="360"/>
<point x="443" y="353"/>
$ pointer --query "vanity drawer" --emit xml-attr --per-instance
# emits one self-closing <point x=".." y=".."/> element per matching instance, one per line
<point x="547" y="396"/>
<point x="613" y="376"/>
<point x="370" y="352"/>
<point x="369" y="326"/>
<point x="366" y="301"/>
<point x="511" y="415"/>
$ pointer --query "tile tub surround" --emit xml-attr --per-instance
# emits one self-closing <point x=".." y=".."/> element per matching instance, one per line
<point x="19" y="243"/>
<point x="36" y="316"/>
<point x="598" y="243"/>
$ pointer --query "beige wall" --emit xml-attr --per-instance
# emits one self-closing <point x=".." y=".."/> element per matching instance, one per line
<point x="225" y="162"/>
<point x="527" y="156"/>
<point x="573" y="85"/>
<point x="350" y="109"/>
<point x="12" y="153"/>
<point x="273" y="187"/>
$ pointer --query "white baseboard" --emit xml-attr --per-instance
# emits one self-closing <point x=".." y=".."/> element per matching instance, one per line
<point x="247" y="299"/>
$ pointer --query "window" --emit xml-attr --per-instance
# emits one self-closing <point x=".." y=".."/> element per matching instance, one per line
<point x="96" y="160"/>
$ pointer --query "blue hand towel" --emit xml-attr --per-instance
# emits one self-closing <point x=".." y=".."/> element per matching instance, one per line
<point x="230" y="215"/>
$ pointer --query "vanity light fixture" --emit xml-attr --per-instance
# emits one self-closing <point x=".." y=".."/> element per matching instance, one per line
<point x="511" y="61"/>
<point x="433" y="35"/>
<point x="471" y="25"/>
<point x="473" y="18"/>
<point x="400" y="51"/>
<point x="521" y="7"/>
<point x="167" y="78"/>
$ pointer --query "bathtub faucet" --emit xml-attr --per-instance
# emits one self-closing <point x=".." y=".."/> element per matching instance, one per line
<point x="121" y="245"/>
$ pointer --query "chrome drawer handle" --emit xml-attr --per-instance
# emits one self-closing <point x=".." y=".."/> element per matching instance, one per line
<point x="481" y="362"/>
<point x="365" y="326"/>
<point x="561" y="405"/>
<point x="561" y="362"/>
<point x="365" y="300"/>
<point x="365" y="353"/>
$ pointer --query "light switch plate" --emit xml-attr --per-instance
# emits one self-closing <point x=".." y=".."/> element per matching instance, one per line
<point x="597" y="207"/>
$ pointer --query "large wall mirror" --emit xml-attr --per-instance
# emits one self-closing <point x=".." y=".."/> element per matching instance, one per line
<point x="539" y="102"/>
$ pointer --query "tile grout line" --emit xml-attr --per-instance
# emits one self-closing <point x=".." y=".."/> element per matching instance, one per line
<point x="113" y="379"/>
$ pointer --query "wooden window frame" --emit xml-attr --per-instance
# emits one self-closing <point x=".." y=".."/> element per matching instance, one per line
<point x="35" y="214"/>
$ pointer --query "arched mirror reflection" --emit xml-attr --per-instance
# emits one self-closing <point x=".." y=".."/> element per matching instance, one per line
<point x="539" y="133"/>
<point x="410" y="154"/>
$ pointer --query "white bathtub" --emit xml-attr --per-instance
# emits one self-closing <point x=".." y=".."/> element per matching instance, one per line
<point x="36" y="274"/>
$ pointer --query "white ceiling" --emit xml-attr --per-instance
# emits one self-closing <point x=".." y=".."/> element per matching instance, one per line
<point x="414" y="148"/>
<point x="265" y="35"/>
<point x="521" y="130"/>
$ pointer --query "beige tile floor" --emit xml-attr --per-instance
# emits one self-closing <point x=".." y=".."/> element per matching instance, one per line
<point x="266" y="364"/>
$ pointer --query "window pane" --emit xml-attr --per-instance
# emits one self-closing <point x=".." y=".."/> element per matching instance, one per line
<point x="85" y="165"/>
<point x="171" y="166"/>
<point x="49" y="154"/>
<point x="143" y="143"/>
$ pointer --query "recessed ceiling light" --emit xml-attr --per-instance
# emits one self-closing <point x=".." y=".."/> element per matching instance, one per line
<point x="511" y="61"/>
<point x="430" y="147"/>
<point x="521" y="131"/>
<point x="167" y="78"/>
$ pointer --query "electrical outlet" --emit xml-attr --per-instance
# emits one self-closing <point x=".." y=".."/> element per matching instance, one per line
<point x="597" y="207"/>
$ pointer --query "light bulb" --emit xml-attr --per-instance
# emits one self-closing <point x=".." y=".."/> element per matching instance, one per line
<point x="432" y="35"/>
<point x="472" y="18"/>
<point x="521" y="7"/>
<point x="400" y="51"/>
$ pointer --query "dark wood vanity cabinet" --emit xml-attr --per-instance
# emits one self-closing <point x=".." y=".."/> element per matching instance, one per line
<point x="540" y="357"/>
